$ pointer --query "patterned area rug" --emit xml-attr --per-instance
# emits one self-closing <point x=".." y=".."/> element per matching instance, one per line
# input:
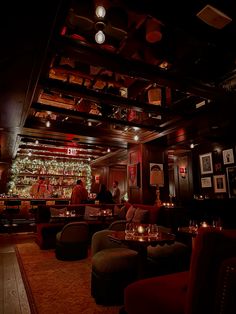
<point x="55" y="286"/>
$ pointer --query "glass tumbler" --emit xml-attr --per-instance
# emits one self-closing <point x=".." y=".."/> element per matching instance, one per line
<point x="129" y="229"/>
<point x="153" y="230"/>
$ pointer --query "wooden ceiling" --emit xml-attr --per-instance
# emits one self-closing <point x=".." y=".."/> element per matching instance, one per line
<point x="61" y="90"/>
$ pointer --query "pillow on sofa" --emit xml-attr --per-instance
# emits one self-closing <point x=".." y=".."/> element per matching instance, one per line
<point x="57" y="211"/>
<point x="130" y="213"/>
<point x="120" y="212"/>
<point x="140" y="216"/>
<point x="90" y="211"/>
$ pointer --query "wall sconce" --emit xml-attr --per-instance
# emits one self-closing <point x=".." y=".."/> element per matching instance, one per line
<point x="183" y="171"/>
<point x="97" y="178"/>
<point x="48" y="124"/>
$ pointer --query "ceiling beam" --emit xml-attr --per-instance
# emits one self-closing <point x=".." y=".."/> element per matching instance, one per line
<point x="86" y="135"/>
<point x="99" y="96"/>
<point x="91" y="117"/>
<point x="100" y="57"/>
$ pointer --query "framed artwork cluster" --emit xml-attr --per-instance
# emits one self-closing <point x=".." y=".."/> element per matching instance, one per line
<point x="219" y="172"/>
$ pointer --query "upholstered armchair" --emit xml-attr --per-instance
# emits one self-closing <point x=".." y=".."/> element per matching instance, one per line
<point x="72" y="241"/>
<point x="114" y="266"/>
<point x="207" y="288"/>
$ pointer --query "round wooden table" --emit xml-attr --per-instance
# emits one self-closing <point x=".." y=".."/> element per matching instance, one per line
<point x="140" y="242"/>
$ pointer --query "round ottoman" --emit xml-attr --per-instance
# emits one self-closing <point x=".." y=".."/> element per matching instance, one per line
<point x="167" y="259"/>
<point x="112" y="270"/>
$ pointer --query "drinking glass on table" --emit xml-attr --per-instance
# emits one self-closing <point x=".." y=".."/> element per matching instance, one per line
<point x="217" y="224"/>
<point x="129" y="229"/>
<point x="193" y="225"/>
<point x="153" y="230"/>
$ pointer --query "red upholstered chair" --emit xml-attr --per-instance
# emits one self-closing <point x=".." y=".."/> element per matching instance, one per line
<point x="208" y="288"/>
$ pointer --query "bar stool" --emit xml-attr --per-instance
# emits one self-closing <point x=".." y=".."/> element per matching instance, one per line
<point x="61" y="202"/>
<point x="34" y="207"/>
<point x="12" y="209"/>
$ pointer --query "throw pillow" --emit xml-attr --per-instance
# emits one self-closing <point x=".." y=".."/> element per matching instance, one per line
<point x="57" y="211"/>
<point x="141" y="216"/>
<point x="91" y="211"/>
<point x="130" y="213"/>
<point x="120" y="212"/>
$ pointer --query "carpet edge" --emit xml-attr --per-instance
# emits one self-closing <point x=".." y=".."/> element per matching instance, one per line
<point x="29" y="293"/>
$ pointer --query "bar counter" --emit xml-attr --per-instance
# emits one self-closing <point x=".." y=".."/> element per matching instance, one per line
<point x="25" y="204"/>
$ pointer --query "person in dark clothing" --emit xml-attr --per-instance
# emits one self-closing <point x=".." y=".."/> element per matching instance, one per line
<point x="104" y="195"/>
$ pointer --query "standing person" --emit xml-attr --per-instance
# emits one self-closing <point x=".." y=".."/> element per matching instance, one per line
<point x="116" y="192"/>
<point x="38" y="189"/>
<point x="104" y="195"/>
<point x="79" y="193"/>
<point x="49" y="189"/>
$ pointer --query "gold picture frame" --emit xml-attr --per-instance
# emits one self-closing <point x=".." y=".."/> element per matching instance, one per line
<point x="206" y="164"/>
<point x="219" y="183"/>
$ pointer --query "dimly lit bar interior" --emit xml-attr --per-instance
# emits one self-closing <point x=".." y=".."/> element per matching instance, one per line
<point x="118" y="157"/>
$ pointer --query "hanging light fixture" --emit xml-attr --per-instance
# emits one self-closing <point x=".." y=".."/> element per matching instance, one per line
<point x="100" y="37"/>
<point x="153" y="31"/>
<point x="154" y="95"/>
<point x="48" y="124"/>
<point x="100" y="11"/>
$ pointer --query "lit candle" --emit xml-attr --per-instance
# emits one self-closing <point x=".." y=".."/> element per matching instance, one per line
<point x="204" y="224"/>
<point x="140" y="229"/>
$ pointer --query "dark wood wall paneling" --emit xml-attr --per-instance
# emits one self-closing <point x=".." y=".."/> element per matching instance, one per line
<point x="103" y="173"/>
<point x="135" y="158"/>
<point x="118" y="173"/>
<point x="183" y="177"/>
<point x="107" y="175"/>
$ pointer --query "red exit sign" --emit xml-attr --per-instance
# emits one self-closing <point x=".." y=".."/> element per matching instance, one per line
<point x="71" y="151"/>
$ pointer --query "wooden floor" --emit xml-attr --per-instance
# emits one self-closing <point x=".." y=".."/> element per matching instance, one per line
<point x="13" y="298"/>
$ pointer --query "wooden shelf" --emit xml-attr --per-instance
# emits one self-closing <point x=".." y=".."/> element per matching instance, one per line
<point x="48" y="175"/>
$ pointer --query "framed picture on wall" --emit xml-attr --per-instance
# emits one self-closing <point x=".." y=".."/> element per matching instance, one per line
<point x="219" y="183"/>
<point x="206" y="163"/>
<point x="231" y="178"/>
<point x="228" y="156"/>
<point x="156" y="174"/>
<point x="206" y="182"/>
<point x="133" y="175"/>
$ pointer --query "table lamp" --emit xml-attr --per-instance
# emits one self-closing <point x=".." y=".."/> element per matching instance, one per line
<point x="157" y="178"/>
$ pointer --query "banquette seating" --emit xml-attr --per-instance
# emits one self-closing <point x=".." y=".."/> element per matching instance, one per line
<point x="208" y="287"/>
<point x="48" y="224"/>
